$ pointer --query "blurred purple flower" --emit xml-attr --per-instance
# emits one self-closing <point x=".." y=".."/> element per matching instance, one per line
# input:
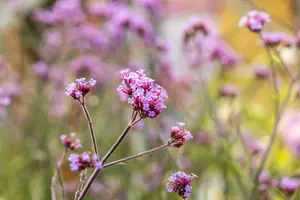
<point x="272" y="39"/>
<point x="254" y="20"/>
<point x="40" y="69"/>
<point x="262" y="72"/>
<point x="289" y="185"/>
<point x="229" y="90"/>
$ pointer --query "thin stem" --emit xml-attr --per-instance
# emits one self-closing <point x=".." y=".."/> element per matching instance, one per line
<point x="57" y="174"/>
<point x="274" y="77"/>
<point x="137" y="155"/>
<point x="284" y="65"/>
<point x="240" y="135"/>
<point x="81" y="183"/>
<point x="90" y="123"/>
<point x="210" y="107"/>
<point x="104" y="159"/>
<point x="278" y="115"/>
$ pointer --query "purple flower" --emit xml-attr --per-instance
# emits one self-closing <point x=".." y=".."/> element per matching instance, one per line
<point x="254" y="20"/>
<point x="71" y="142"/>
<point x="289" y="185"/>
<point x="83" y="161"/>
<point x="272" y="39"/>
<point x="179" y="135"/>
<point x="195" y="25"/>
<point x="144" y="95"/>
<point x="40" y="68"/>
<point x="262" y="72"/>
<point x="228" y="90"/>
<point x="180" y="183"/>
<point x="81" y="88"/>
<point x="264" y="177"/>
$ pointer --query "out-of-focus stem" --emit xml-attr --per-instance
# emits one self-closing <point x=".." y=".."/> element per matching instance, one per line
<point x="279" y="109"/>
<point x="90" y="123"/>
<point x="57" y="174"/>
<point x="137" y="155"/>
<point x="108" y="154"/>
<point x="284" y="65"/>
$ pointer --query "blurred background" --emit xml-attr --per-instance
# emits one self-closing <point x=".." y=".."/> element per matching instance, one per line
<point x="47" y="44"/>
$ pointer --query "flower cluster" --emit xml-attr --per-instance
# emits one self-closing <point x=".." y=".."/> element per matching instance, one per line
<point x="180" y="183"/>
<point x="145" y="96"/>
<point x="289" y="185"/>
<point x="82" y="161"/>
<point x="179" y="135"/>
<point x="71" y="142"/>
<point x="196" y="25"/>
<point x="81" y="88"/>
<point x="228" y="90"/>
<point x="266" y="181"/>
<point x="261" y="72"/>
<point x="272" y="39"/>
<point x="254" y="20"/>
<point x="208" y="46"/>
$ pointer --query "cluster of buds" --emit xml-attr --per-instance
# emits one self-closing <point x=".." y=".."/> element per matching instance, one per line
<point x="144" y="95"/>
<point x="254" y="20"/>
<point x="266" y="181"/>
<point x="71" y="142"/>
<point x="179" y="135"/>
<point x="83" y="161"/>
<point x="81" y="88"/>
<point x="196" y="25"/>
<point x="180" y="183"/>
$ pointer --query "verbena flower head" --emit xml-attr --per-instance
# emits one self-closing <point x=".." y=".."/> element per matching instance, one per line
<point x="264" y="177"/>
<point x="71" y="142"/>
<point x="83" y="161"/>
<point x="228" y="90"/>
<point x="179" y="135"/>
<point x="80" y="88"/>
<point x="144" y="95"/>
<point x="288" y="40"/>
<point x="196" y="25"/>
<point x="272" y="39"/>
<point x="254" y="20"/>
<point x="180" y="183"/>
<point x="289" y="185"/>
<point x="262" y="72"/>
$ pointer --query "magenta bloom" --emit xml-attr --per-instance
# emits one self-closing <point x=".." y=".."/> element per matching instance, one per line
<point x="289" y="185"/>
<point x="180" y="183"/>
<point x="81" y="88"/>
<point x="254" y="20"/>
<point x="145" y="96"/>
<point x="272" y="39"/>
<point x="71" y="142"/>
<point x="82" y="161"/>
<point x="179" y="135"/>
